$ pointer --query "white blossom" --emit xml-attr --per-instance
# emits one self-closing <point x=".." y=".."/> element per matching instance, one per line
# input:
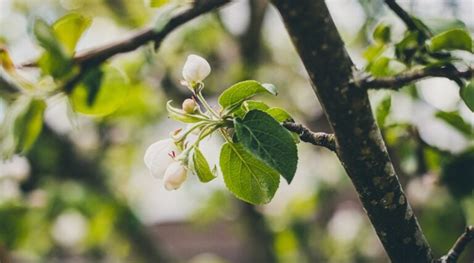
<point x="175" y="175"/>
<point x="195" y="69"/>
<point x="159" y="156"/>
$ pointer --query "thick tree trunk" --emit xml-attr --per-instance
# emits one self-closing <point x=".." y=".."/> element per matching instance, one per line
<point x="360" y="146"/>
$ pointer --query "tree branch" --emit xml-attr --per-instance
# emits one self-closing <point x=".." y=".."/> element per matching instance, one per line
<point x="407" y="18"/>
<point x="459" y="246"/>
<point x="315" y="138"/>
<point x="97" y="55"/>
<point x="360" y="146"/>
<point x="398" y="81"/>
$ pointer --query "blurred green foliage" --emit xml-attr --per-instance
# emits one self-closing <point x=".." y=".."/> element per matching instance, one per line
<point x="127" y="99"/>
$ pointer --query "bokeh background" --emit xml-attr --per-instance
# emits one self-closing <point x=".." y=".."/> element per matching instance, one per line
<point x="83" y="193"/>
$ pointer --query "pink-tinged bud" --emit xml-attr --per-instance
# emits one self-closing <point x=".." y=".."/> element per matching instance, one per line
<point x="175" y="175"/>
<point x="189" y="106"/>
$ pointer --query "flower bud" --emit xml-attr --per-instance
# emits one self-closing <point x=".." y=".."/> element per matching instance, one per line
<point x="195" y="69"/>
<point x="175" y="175"/>
<point x="159" y="156"/>
<point x="189" y="106"/>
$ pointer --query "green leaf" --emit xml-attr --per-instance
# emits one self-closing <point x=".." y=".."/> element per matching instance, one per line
<point x="158" y="3"/>
<point x="467" y="95"/>
<point x="55" y="64"/>
<point x="28" y="123"/>
<point x="54" y="61"/>
<point x="407" y="47"/>
<point x="422" y="28"/>
<point x="247" y="177"/>
<point x="374" y="51"/>
<point x="438" y="25"/>
<point x="382" y="33"/>
<point x="59" y="42"/>
<point x="457" y="122"/>
<point x="201" y="166"/>
<point x="180" y="115"/>
<point x="279" y="114"/>
<point x="254" y="105"/>
<point x="249" y="105"/>
<point x="46" y="36"/>
<point x="383" y="109"/>
<point x="234" y="96"/>
<point x="450" y="40"/>
<point x="268" y="140"/>
<point x="69" y="29"/>
<point x="93" y="80"/>
<point x="380" y="67"/>
<point x="111" y="94"/>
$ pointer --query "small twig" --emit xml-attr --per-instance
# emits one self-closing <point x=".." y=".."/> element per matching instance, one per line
<point x="95" y="56"/>
<point x="459" y="246"/>
<point x="316" y="138"/>
<point x="404" y="78"/>
<point x="100" y="54"/>
<point x="406" y="18"/>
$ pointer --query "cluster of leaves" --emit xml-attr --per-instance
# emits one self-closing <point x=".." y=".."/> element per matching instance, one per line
<point x="426" y="47"/>
<point x="258" y="149"/>
<point x="420" y="49"/>
<point x="97" y="90"/>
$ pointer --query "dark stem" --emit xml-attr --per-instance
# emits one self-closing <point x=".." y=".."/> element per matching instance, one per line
<point x="398" y="81"/>
<point x="100" y="54"/>
<point x="360" y="146"/>
<point x="407" y="18"/>
<point x="316" y="138"/>
<point x="459" y="246"/>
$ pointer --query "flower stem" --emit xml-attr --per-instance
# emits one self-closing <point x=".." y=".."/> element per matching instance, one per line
<point x="206" y="105"/>
<point x="225" y="135"/>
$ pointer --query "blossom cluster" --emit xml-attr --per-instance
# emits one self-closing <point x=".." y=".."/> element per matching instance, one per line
<point x="166" y="158"/>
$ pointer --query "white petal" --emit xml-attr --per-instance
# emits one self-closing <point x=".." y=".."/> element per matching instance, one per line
<point x="157" y="157"/>
<point x="196" y="69"/>
<point x="175" y="175"/>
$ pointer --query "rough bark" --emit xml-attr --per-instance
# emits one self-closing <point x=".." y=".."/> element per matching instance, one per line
<point x="360" y="146"/>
